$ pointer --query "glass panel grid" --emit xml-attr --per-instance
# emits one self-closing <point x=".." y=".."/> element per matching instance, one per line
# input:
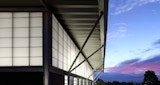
<point x="20" y="38"/>
<point x="65" y="51"/>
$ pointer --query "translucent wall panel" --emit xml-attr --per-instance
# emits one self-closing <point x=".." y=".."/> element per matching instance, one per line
<point x="80" y="81"/>
<point x="5" y="52"/>
<point x="21" y="32"/>
<point x="5" y="39"/>
<point x="20" y="38"/>
<point x="65" y="51"/>
<point x="66" y="80"/>
<point x="21" y="61"/>
<point x="5" y="61"/>
<point x="6" y="22"/>
<point x="36" y="25"/>
<point x="5" y="32"/>
<point x="75" y="81"/>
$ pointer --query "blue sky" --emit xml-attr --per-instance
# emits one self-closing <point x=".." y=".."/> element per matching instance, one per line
<point x="133" y="38"/>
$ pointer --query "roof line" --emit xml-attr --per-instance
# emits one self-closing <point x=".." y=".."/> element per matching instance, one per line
<point x="50" y="8"/>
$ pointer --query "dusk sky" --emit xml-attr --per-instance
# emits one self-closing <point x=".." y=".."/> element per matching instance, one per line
<point x="133" y="39"/>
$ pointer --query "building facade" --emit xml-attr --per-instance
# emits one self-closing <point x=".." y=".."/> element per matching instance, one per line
<point x="52" y="42"/>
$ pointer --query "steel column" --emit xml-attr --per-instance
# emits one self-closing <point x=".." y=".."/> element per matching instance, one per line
<point x="51" y="8"/>
<point x="47" y="45"/>
<point x="86" y="40"/>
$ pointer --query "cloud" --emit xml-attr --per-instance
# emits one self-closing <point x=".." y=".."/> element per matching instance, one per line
<point x="133" y="61"/>
<point x="126" y="5"/>
<point x="135" y="66"/>
<point x="155" y="45"/>
<point x="157" y="42"/>
<point x="120" y="32"/>
<point x="121" y="24"/>
<point x="110" y="77"/>
<point x="147" y="50"/>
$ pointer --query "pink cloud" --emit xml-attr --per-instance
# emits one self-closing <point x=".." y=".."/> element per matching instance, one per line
<point x="137" y="67"/>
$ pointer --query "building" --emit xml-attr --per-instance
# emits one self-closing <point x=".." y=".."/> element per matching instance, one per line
<point x="52" y="42"/>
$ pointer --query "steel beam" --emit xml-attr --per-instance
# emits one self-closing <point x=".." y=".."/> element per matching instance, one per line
<point x="87" y="58"/>
<point x="86" y="40"/>
<point x="48" y="6"/>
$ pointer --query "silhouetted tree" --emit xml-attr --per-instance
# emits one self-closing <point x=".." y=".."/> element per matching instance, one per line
<point x="116" y="83"/>
<point x="150" y="78"/>
<point x="100" y="82"/>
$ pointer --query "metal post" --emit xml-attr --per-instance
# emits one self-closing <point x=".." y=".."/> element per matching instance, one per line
<point x="68" y="78"/>
<point x="47" y="45"/>
<point x="86" y="40"/>
<point x="87" y="58"/>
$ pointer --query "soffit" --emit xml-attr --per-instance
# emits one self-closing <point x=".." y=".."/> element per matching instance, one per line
<point x="78" y="18"/>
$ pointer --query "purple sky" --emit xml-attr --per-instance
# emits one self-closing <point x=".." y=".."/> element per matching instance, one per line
<point x="133" y="39"/>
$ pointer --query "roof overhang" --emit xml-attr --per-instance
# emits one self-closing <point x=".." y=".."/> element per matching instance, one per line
<point x="78" y="17"/>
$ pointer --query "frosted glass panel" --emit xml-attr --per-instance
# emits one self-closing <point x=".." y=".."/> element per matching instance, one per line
<point x="6" y="15"/>
<point x="37" y="14"/>
<point x="18" y="32"/>
<point x="55" y="53"/>
<point x="36" y="32"/>
<point x="21" y="61"/>
<point x="36" y="41"/>
<point x="65" y="46"/>
<point x="36" y="61"/>
<point x="60" y="49"/>
<point x="55" y="35"/>
<point x="60" y="32"/>
<point x="5" y="61"/>
<point x="60" y="65"/>
<point x="5" y="42"/>
<point x="55" y="62"/>
<point x="20" y="52"/>
<point x="65" y="53"/>
<point x="36" y="52"/>
<point x="21" y="32"/>
<point x="55" y="24"/>
<point x="21" y="22"/>
<point x="55" y="44"/>
<point x="60" y="40"/>
<point x="21" y="42"/>
<point x="22" y="14"/>
<point x="6" y="22"/>
<point x="36" y="22"/>
<point x="7" y="32"/>
<point x="65" y="37"/>
<point x="5" y="52"/>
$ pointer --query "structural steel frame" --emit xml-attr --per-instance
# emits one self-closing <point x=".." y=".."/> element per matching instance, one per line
<point x="47" y="46"/>
<point x="47" y="43"/>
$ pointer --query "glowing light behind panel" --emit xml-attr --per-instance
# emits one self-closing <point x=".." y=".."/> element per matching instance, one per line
<point x="65" y="51"/>
<point x="20" y="38"/>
